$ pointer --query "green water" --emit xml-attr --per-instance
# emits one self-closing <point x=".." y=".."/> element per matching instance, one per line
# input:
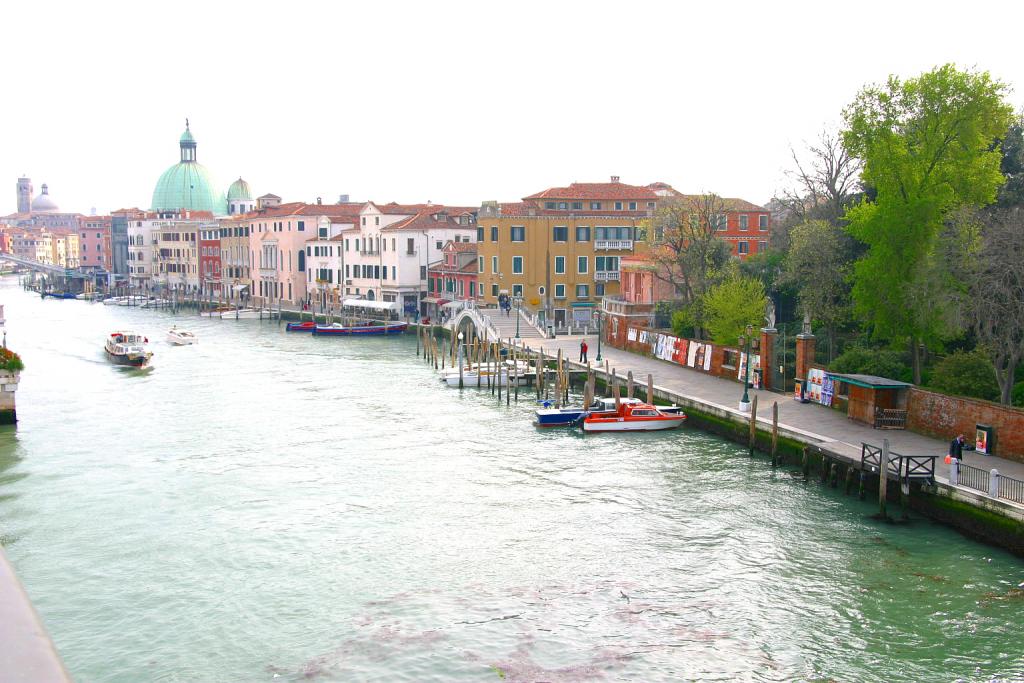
<point x="275" y="507"/>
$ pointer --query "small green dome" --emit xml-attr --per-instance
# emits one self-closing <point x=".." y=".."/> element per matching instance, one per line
<point x="186" y="136"/>
<point x="239" y="190"/>
<point x="187" y="185"/>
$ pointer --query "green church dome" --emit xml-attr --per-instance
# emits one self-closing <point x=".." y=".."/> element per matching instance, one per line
<point x="187" y="184"/>
<point x="239" y="190"/>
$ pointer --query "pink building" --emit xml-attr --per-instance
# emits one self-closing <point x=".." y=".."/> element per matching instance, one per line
<point x="94" y="243"/>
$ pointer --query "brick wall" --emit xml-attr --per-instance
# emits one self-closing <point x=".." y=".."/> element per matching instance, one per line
<point x="946" y="416"/>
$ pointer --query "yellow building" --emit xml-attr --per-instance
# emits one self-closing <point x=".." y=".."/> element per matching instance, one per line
<point x="560" y="249"/>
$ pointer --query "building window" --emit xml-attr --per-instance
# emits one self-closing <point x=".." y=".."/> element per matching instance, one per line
<point x="744" y="222"/>
<point x="599" y="289"/>
<point x="518" y="233"/>
<point x="559" y="265"/>
<point x="479" y="264"/>
<point x="762" y="246"/>
<point x="581" y="265"/>
<point x="410" y="246"/>
<point x="549" y="205"/>
<point x="582" y="233"/>
<point x="494" y="289"/>
<point x="439" y="245"/>
<point x="721" y="221"/>
<point x="517" y="265"/>
<point x="582" y="291"/>
<point x="364" y="220"/>
<point x="577" y="206"/>
<point x="423" y="273"/>
<point x="762" y="222"/>
<point x="302" y="226"/>
<point x="560" y="233"/>
<point x="563" y="205"/>
<point x="494" y="233"/>
<point x="559" y="291"/>
<point x="517" y="290"/>
<point x="606" y="263"/>
<point x="376" y="220"/>
<point x="743" y="247"/>
<point x="632" y="206"/>
<point x="479" y="234"/>
<point x="494" y="265"/>
<point x="595" y="206"/>
<point x="618" y="206"/>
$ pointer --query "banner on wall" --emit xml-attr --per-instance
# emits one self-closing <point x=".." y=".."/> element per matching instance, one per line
<point x="828" y="390"/>
<point x="691" y="353"/>
<point x="755" y="366"/>
<point x="815" y="380"/>
<point x="631" y="334"/>
<point x="680" y="354"/>
<point x="707" y="357"/>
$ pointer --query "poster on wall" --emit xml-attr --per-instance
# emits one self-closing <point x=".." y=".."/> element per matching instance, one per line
<point x="631" y="334"/>
<point x="707" y="357"/>
<point x="691" y="353"/>
<point x="668" y="349"/>
<point x="828" y="390"/>
<point x="698" y="360"/>
<point x="660" y="345"/>
<point x="815" y="380"/>
<point x="680" y="354"/>
<point x="755" y="365"/>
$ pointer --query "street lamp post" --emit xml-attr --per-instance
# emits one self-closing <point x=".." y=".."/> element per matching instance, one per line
<point x="517" y="299"/>
<point x="598" y="313"/>
<point x="745" y="340"/>
<point x="460" y="337"/>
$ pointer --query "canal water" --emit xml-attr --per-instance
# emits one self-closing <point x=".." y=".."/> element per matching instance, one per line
<point x="267" y="506"/>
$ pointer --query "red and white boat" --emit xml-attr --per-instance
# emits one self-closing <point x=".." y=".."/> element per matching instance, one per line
<point x="633" y="417"/>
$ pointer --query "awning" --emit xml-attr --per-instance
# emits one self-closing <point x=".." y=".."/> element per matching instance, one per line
<point x="373" y="305"/>
<point x="433" y="300"/>
<point x="239" y="288"/>
<point x="582" y="304"/>
<point x="453" y="304"/>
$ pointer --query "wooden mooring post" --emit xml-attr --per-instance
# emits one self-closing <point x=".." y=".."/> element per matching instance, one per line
<point x="775" y="433"/>
<point x="650" y="389"/>
<point x="629" y="384"/>
<point x="883" y="479"/>
<point x="753" y="424"/>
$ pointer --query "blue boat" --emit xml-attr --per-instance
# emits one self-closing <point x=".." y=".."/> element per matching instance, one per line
<point x="307" y="326"/>
<point x="359" y="329"/>
<point x="58" y="295"/>
<point x="564" y="417"/>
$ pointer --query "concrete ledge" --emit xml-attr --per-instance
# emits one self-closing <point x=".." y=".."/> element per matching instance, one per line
<point x="27" y="654"/>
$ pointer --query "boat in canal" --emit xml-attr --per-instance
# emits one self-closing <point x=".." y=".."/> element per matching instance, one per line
<point x="127" y="348"/>
<point x="632" y="417"/>
<point x="248" y="314"/>
<point x="58" y="295"/>
<point x="366" y="328"/>
<point x="570" y="415"/>
<point x="181" y="337"/>
<point x="305" y="326"/>
<point x="506" y="374"/>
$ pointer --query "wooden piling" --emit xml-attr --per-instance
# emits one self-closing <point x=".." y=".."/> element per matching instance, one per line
<point x="650" y="389"/>
<point x="805" y="463"/>
<point x="775" y="433"/>
<point x="849" y="480"/>
<point x="629" y="384"/>
<point x="515" y="364"/>
<point x="558" y="380"/>
<point x="753" y="423"/>
<point x="615" y="394"/>
<point x="883" y="479"/>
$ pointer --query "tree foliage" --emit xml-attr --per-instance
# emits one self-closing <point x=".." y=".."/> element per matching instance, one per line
<point x="927" y="148"/>
<point x="1012" y="165"/>
<point x="860" y="360"/>
<point x="686" y="250"/>
<point x="966" y="373"/>
<point x="732" y="305"/>
<point x="818" y="265"/>
<point x="826" y="181"/>
<point x="995" y="295"/>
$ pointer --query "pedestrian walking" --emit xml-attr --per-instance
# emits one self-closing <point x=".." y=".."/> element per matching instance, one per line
<point x="956" y="447"/>
<point x="583" y="351"/>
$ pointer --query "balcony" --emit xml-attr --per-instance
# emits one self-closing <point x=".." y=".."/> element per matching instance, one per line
<point x="606" y="275"/>
<point x="605" y="245"/>
<point x="268" y="272"/>
<point x="369" y="253"/>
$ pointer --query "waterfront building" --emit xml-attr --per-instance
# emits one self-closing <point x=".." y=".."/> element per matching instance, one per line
<point x="387" y="254"/>
<point x="234" y="257"/>
<point x="278" y="234"/>
<point x="24" y="195"/>
<point x="177" y="250"/>
<point x="744" y="225"/>
<point x="209" y="260"/>
<point x="560" y="249"/>
<point x="42" y="212"/>
<point x="94" y="237"/>
<point x="120" y="221"/>
<point x="454" y="277"/>
<point x="325" y="260"/>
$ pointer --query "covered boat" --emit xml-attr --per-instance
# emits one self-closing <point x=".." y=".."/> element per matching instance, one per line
<point x="633" y="417"/>
<point x="304" y="326"/>
<point x="127" y="348"/>
<point x="369" y="328"/>
<point x="59" y="295"/>
<point x="562" y="417"/>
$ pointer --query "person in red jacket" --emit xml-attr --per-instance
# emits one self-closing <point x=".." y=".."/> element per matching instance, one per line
<point x="583" y="351"/>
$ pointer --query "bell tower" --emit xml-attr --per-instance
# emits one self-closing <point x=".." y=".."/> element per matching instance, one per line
<point x="24" y="195"/>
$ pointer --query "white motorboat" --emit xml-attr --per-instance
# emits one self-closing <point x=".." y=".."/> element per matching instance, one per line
<point x="181" y="337"/>
<point x="245" y="314"/>
<point x="633" y="417"/>
<point x="127" y="348"/>
<point x="520" y="367"/>
<point x="115" y="301"/>
<point x="469" y="378"/>
<point x="217" y="312"/>
<point x="155" y="302"/>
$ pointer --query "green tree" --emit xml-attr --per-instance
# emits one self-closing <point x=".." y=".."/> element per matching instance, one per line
<point x="1012" y="165"/>
<point x="818" y="265"/>
<point x="966" y="373"/>
<point x="732" y="305"/>
<point x="927" y="148"/>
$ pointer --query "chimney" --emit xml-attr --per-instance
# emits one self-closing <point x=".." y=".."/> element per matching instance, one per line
<point x="615" y="178"/>
<point x="319" y="201"/>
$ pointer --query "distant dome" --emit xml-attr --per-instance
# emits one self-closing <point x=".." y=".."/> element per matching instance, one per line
<point x="188" y="184"/>
<point x="44" y="203"/>
<point x="239" y="190"/>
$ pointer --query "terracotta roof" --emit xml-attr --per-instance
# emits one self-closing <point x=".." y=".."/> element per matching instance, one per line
<point x="350" y="210"/>
<point x="587" y="191"/>
<point x="424" y="220"/>
<point x="461" y="246"/>
<point x="730" y="203"/>
<point x="470" y="267"/>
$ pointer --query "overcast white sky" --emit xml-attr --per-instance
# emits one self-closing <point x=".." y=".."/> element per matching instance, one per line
<point x="455" y="102"/>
